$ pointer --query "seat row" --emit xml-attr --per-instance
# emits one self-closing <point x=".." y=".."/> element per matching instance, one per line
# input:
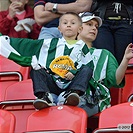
<point x="16" y="98"/>
<point x="68" y="119"/>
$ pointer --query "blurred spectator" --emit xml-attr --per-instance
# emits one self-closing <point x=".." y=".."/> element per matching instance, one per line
<point x="117" y="29"/>
<point x="18" y="21"/>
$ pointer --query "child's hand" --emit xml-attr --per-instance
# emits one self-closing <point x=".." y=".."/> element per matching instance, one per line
<point x="129" y="52"/>
<point x="69" y="76"/>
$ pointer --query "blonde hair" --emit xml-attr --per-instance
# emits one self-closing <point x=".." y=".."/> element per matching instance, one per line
<point x="71" y="13"/>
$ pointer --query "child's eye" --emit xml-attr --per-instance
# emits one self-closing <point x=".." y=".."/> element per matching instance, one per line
<point x="64" y="22"/>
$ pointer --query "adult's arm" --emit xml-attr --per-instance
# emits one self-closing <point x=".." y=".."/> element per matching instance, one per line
<point x="77" y="7"/>
<point x="42" y="17"/>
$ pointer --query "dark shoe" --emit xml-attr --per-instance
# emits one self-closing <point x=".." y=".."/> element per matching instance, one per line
<point x="44" y="102"/>
<point x="68" y="98"/>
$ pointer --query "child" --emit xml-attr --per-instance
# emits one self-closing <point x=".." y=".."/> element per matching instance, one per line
<point x="106" y="72"/>
<point x="58" y="62"/>
<point x="18" y="21"/>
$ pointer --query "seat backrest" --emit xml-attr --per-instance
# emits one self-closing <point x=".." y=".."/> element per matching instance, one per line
<point x="10" y="73"/>
<point x="7" y="122"/>
<point x="116" y="95"/>
<point x="22" y="90"/>
<point x="18" y="100"/>
<point x="3" y="86"/>
<point x="117" y="114"/>
<point x="114" y="119"/>
<point x="58" y="118"/>
<point x="128" y="88"/>
<point x="8" y="68"/>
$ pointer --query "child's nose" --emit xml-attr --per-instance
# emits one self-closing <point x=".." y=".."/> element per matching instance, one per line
<point x="68" y="25"/>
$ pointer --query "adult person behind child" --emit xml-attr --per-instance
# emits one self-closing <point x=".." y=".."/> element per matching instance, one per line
<point x="18" y="21"/>
<point x="47" y="13"/>
<point x="106" y="72"/>
<point x="117" y="29"/>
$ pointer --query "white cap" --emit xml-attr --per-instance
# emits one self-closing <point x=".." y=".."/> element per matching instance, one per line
<point x="88" y="18"/>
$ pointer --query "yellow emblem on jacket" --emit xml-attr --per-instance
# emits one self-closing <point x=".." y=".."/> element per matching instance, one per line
<point x="61" y="65"/>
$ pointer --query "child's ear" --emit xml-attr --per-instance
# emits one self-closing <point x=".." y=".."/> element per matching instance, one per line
<point x="59" y="29"/>
<point x="80" y="29"/>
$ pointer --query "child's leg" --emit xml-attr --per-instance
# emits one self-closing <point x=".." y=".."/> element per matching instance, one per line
<point x="77" y="87"/>
<point x="81" y="80"/>
<point x="43" y="86"/>
<point x="43" y="82"/>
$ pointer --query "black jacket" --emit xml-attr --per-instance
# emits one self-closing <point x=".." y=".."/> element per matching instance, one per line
<point x="99" y="7"/>
<point x="126" y="2"/>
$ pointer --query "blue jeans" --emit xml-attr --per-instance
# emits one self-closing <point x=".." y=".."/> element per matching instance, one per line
<point x="43" y="81"/>
<point x="47" y="33"/>
<point x="114" y="35"/>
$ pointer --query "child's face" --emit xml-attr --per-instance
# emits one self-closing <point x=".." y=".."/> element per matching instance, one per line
<point x="69" y="26"/>
<point x="89" y="31"/>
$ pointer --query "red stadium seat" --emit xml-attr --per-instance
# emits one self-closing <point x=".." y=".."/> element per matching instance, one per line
<point x="130" y="62"/>
<point x="7" y="65"/>
<point x="7" y="122"/>
<point x="110" y="118"/>
<point x="10" y="73"/>
<point x="59" y="119"/>
<point x="18" y="100"/>
<point x="116" y="95"/>
<point x="127" y="91"/>
<point x="20" y="91"/>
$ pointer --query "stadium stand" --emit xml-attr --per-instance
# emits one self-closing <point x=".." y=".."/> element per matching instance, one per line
<point x="59" y="119"/>
<point x="116" y="119"/>
<point x="10" y="73"/>
<point x="18" y="100"/>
